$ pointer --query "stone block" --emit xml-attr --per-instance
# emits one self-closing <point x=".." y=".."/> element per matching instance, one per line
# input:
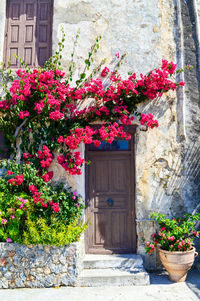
<point x="40" y="266"/>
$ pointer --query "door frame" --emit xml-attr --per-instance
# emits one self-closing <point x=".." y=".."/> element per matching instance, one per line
<point x="132" y="130"/>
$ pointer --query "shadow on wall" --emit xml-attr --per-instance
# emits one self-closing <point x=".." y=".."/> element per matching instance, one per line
<point x="181" y="186"/>
<point x="181" y="189"/>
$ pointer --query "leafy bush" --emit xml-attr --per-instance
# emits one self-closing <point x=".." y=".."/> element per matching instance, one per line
<point x="12" y="216"/>
<point x="44" y="215"/>
<point x="40" y="232"/>
<point x="176" y="234"/>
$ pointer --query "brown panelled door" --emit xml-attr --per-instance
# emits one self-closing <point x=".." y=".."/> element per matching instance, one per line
<point x="110" y="198"/>
<point x="28" y="32"/>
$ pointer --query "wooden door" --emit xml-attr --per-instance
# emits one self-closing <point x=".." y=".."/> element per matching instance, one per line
<point x="110" y="189"/>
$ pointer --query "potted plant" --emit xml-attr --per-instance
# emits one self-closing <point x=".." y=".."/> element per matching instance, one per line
<point x="175" y="239"/>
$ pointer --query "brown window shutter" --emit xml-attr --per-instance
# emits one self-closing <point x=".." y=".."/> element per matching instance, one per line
<point x="13" y="32"/>
<point x="44" y="31"/>
<point x="28" y="31"/>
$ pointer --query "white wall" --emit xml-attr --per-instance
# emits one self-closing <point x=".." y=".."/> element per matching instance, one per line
<point x="2" y="26"/>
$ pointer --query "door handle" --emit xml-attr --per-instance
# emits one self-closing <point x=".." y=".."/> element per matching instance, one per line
<point x="110" y="202"/>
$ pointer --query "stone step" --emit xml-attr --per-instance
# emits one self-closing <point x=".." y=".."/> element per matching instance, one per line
<point x="113" y="277"/>
<point x="92" y="261"/>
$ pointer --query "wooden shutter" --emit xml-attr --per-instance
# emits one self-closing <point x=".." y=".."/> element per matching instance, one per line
<point x="13" y="35"/>
<point x="28" y="31"/>
<point x="44" y="30"/>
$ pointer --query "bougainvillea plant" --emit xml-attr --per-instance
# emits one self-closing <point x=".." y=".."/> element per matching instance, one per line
<point x="45" y="116"/>
<point x="43" y="109"/>
<point x="176" y="234"/>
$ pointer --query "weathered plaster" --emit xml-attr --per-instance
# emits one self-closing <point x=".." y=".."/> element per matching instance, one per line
<point x="145" y="31"/>
<point x="124" y="26"/>
<point x="2" y="26"/>
<point x="60" y="175"/>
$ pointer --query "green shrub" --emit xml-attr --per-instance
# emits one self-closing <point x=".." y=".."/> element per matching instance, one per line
<point x="58" y="234"/>
<point x="31" y="218"/>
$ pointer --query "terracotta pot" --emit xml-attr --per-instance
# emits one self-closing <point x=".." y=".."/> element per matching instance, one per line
<point x="177" y="263"/>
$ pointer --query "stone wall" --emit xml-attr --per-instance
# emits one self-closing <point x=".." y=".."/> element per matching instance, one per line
<point x="39" y="266"/>
<point x="190" y="154"/>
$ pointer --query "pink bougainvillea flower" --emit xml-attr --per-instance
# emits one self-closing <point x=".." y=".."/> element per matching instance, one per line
<point x="97" y="143"/>
<point x="32" y="189"/>
<point x="60" y="139"/>
<point x="10" y="172"/>
<point x="8" y="240"/>
<point x="23" y="114"/>
<point x="48" y="176"/>
<point x="4" y="221"/>
<point x="24" y="201"/>
<point x="104" y="72"/>
<point x="17" y="181"/>
<point x="12" y="181"/>
<point x="56" y="207"/>
<point x="56" y="115"/>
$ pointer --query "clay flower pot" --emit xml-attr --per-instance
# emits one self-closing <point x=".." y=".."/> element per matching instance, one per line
<point x="177" y="263"/>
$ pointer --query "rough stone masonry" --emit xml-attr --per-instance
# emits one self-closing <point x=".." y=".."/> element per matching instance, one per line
<point x="39" y="266"/>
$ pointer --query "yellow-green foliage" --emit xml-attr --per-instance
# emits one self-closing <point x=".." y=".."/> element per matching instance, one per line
<point x="24" y="222"/>
<point x="54" y="233"/>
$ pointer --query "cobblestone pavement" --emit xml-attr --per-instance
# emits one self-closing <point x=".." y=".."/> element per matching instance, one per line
<point x="160" y="289"/>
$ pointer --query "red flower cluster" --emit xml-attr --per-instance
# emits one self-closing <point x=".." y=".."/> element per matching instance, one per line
<point x="148" y="120"/>
<point x="72" y="162"/>
<point x="77" y="136"/>
<point x="41" y="92"/>
<point x="16" y="181"/>
<point x="10" y="172"/>
<point x="38" y="199"/>
<point x="168" y="67"/>
<point x="110" y="101"/>
<point x="24" y="114"/>
<point x="112" y="131"/>
<point x="56" y="115"/>
<point x="47" y="176"/>
<point x="45" y="156"/>
<point x="105" y="71"/>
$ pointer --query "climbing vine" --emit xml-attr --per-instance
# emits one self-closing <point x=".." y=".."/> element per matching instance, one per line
<point x="45" y="117"/>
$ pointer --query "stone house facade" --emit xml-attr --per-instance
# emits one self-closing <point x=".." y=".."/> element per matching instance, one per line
<point x="159" y="170"/>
